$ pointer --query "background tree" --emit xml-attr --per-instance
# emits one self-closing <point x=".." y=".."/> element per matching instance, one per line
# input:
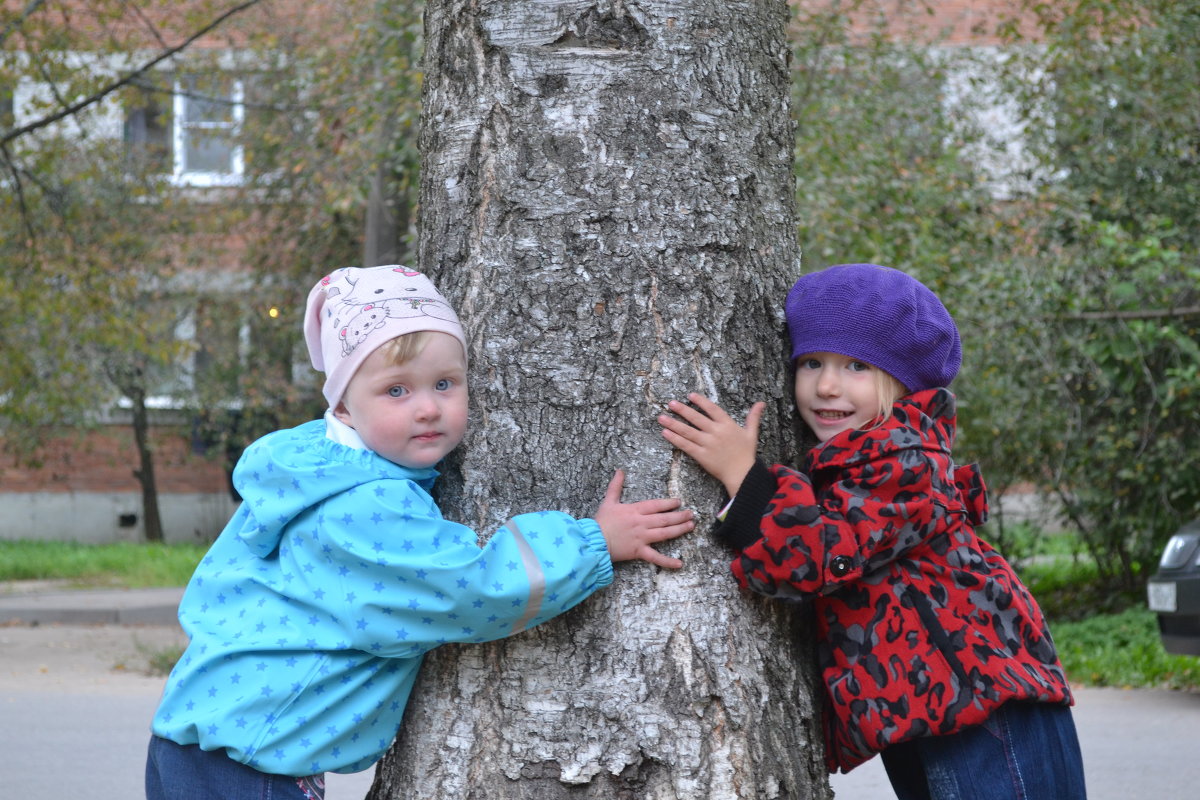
<point x="333" y="183"/>
<point x="83" y="238"/>
<point x="895" y="166"/>
<point x="1045" y="188"/>
<point x="133" y="288"/>
<point x="1114" y="116"/>
<point x="607" y="198"/>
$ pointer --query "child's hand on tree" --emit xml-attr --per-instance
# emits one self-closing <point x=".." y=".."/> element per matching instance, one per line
<point x="630" y="528"/>
<point x="719" y="445"/>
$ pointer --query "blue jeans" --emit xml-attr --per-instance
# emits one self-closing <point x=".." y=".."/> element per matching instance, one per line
<point x="185" y="772"/>
<point x="1024" y="751"/>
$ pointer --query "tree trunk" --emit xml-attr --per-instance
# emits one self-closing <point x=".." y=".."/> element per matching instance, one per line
<point x="607" y="198"/>
<point x="381" y="236"/>
<point x="151" y="519"/>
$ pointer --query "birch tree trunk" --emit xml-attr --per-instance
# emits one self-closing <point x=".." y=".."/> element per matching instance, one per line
<point x="607" y="198"/>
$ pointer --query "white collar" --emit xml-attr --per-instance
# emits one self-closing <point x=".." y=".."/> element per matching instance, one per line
<point x="340" y="432"/>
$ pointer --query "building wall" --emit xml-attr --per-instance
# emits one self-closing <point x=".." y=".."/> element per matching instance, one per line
<point x="106" y="517"/>
<point x="949" y="22"/>
<point x="84" y="490"/>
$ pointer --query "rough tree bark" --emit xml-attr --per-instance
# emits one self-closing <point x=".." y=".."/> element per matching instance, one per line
<point x="607" y="199"/>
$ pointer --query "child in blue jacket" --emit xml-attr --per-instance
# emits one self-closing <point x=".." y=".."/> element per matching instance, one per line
<point x="310" y="614"/>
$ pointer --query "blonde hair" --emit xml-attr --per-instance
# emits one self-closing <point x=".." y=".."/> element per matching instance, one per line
<point x="405" y="347"/>
<point x="888" y="389"/>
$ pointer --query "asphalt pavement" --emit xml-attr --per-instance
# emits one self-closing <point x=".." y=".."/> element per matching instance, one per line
<point x="76" y="696"/>
<point x="76" y="701"/>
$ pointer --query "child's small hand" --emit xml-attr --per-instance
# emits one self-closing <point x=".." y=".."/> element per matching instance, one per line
<point x="630" y="528"/>
<point x="720" y="446"/>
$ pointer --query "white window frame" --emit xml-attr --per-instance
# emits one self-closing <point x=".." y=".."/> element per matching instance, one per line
<point x="180" y="127"/>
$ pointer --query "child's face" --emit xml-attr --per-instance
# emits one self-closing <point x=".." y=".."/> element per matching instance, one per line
<point x="835" y="393"/>
<point x="412" y="414"/>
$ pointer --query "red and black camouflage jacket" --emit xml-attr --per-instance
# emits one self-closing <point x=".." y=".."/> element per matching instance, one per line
<point x="924" y="628"/>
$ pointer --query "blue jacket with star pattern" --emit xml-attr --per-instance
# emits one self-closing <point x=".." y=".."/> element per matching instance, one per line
<point x="312" y="611"/>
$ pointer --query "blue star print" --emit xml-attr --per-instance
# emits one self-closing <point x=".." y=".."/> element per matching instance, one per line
<point x="331" y="597"/>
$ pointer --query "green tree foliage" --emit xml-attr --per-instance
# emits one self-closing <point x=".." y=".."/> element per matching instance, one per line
<point x="1118" y="81"/>
<point x="82" y="233"/>
<point x="883" y="159"/>
<point x="132" y="286"/>
<point x="1117" y="123"/>
<point x="77" y="238"/>
<point x="889" y="166"/>
<point x="1070" y="264"/>
<point x="332" y="141"/>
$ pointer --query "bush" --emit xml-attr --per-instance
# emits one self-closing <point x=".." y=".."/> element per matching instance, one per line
<point x="1071" y="588"/>
<point x="1122" y="650"/>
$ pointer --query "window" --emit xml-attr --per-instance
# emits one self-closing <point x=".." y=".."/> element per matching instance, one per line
<point x="208" y="115"/>
<point x="187" y="126"/>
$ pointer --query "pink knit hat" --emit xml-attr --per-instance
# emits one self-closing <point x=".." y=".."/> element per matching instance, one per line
<point x="352" y="311"/>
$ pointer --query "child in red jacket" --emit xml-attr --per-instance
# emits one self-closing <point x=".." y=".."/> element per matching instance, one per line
<point x="932" y="651"/>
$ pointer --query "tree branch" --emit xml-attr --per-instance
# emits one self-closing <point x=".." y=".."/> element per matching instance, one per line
<point x="17" y="21"/>
<point x="76" y="107"/>
<point x="19" y="187"/>
<point x="1152" y="313"/>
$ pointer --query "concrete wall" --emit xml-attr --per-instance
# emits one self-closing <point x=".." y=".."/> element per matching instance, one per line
<point x="82" y="488"/>
<point x="102" y="518"/>
<point x="1022" y="505"/>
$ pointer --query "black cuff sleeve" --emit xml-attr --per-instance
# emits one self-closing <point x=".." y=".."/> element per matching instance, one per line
<point x="741" y="526"/>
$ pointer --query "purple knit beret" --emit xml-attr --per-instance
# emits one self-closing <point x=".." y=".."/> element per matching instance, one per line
<point x="878" y="315"/>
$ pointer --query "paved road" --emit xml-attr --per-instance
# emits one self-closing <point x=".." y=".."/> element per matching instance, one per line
<point x="1137" y="745"/>
<point x="75" y="708"/>
<point x="75" y="704"/>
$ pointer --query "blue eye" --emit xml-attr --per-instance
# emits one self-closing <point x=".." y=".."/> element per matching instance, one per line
<point x="443" y="385"/>
<point x="859" y="366"/>
<point x="811" y="363"/>
<point x="397" y="391"/>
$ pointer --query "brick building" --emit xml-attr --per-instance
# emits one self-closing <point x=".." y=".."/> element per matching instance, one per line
<point x="85" y="487"/>
<point x="186" y="85"/>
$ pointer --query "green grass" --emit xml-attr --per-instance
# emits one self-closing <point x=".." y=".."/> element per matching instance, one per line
<point x="1117" y="647"/>
<point x="1122" y="650"/>
<point x="124" y="564"/>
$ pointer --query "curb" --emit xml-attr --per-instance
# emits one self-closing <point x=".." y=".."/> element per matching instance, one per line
<point x="92" y="607"/>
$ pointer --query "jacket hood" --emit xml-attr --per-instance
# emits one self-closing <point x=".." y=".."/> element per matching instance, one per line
<point x="925" y="420"/>
<point x="922" y="420"/>
<point x="282" y="476"/>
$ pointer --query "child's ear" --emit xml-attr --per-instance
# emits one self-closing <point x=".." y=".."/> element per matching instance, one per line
<point x="342" y="413"/>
